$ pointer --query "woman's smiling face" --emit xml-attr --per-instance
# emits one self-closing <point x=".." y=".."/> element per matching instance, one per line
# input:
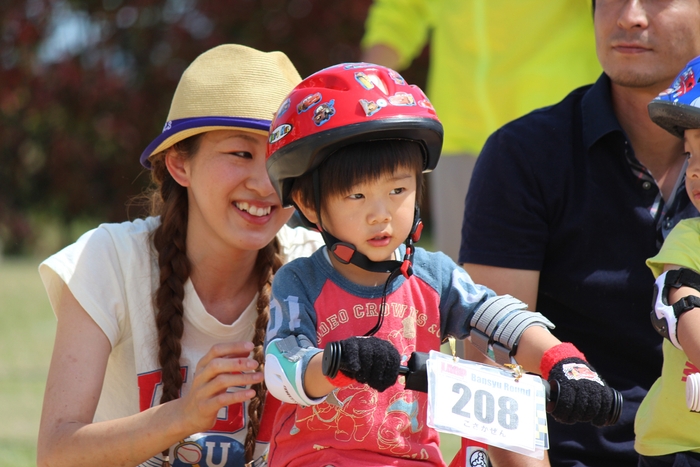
<point x="231" y="199"/>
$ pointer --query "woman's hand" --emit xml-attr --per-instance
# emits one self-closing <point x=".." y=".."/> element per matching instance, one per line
<point x="224" y="366"/>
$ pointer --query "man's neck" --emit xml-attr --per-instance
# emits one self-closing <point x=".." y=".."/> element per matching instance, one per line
<point x="659" y="151"/>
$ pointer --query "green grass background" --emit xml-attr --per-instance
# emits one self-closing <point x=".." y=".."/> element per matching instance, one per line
<point x="27" y="327"/>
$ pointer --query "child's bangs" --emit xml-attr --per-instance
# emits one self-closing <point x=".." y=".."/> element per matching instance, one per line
<point x="368" y="162"/>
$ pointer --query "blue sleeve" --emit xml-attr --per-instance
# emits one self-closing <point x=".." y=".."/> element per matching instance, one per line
<point x="460" y="297"/>
<point x="291" y="304"/>
<point x="290" y="341"/>
<point x="505" y="215"/>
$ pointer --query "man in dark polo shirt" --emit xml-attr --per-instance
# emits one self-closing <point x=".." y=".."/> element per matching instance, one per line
<point x="567" y="203"/>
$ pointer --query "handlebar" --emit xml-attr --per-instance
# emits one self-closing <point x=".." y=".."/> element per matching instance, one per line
<point x="416" y="375"/>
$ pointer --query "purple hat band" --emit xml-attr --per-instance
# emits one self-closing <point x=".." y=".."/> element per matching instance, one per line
<point x="173" y="127"/>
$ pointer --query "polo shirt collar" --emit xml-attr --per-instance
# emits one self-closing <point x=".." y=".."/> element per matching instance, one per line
<point x="597" y="112"/>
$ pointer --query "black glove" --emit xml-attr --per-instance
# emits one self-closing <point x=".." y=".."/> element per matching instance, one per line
<point x="371" y="361"/>
<point x="583" y="395"/>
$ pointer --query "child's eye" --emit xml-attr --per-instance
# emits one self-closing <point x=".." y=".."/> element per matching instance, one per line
<point x="356" y="196"/>
<point x="398" y="191"/>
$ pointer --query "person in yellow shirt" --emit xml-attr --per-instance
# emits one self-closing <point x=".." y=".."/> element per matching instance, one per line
<point x="491" y="61"/>
<point x="667" y="424"/>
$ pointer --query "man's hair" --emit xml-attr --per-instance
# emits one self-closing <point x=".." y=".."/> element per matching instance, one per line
<point x="358" y="163"/>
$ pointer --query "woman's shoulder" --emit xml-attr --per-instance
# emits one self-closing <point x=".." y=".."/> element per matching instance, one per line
<point x="131" y="229"/>
<point x="108" y="243"/>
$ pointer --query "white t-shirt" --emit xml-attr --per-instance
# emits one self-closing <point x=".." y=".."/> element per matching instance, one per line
<point x="113" y="273"/>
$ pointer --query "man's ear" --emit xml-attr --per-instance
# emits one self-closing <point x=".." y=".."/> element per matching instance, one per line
<point x="307" y="211"/>
<point x="178" y="167"/>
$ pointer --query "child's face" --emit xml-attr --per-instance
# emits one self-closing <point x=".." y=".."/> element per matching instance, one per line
<point x="376" y="216"/>
<point x="692" y="172"/>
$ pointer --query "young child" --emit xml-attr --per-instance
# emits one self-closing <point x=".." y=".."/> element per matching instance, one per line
<point x="667" y="432"/>
<point x="348" y="148"/>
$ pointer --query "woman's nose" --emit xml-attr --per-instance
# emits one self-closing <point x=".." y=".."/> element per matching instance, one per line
<point x="259" y="180"/>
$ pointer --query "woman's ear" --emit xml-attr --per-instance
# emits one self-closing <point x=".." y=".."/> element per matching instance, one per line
<point x="307" y="211"/>
<point x="178" y="167"/>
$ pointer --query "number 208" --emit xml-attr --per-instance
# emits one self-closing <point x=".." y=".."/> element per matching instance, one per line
<point x="484" y="407"/>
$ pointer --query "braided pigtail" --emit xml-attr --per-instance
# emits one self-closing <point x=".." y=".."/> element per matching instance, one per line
<point x="268" y="262"/>
<point x="169" y="201"/>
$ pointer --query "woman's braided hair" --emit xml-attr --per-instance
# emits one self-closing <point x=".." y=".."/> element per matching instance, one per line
<point x="168" y="200"/>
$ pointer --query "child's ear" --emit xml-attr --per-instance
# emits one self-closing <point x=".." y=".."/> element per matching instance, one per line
<point x="307" y="211"/>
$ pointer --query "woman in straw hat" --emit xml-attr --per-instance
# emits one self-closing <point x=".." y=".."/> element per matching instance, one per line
<point x="161" y="321"/>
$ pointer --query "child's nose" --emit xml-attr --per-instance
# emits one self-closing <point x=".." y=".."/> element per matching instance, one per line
<point x="693" y="169"/>
<point x="379" y="213"/>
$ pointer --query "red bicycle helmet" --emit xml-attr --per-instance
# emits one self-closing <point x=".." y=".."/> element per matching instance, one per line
<point x="345" y="104"/>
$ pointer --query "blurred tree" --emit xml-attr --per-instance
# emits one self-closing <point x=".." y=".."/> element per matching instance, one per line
<point x="86" y="85"/>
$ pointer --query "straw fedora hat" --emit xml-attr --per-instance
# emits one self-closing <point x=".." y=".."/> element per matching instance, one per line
<point x="228" y="87"/>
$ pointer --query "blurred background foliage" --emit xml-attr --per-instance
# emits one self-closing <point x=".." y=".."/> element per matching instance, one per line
<point x="86" y="85"/>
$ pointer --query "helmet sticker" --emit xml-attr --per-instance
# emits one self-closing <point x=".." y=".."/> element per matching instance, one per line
<point x="398" y="79"/>
<point x="402" y="98"/>
<point x="684" y="83"/>
<point x="354" y="66"/>
<point x="280" y="132"/>
<point x="364" y="80"/>
<point x="425" y="103"/>
<point x="324" y="112"/>
<point x="308" y="102"/>
<point x="371" y="107"/>
<point x="284" y="107"/>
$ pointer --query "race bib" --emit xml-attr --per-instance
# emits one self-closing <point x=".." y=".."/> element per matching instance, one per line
<point x="487" y="404"/>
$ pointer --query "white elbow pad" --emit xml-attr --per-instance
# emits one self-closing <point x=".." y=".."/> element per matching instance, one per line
<point x="284" y="371"/>
<point x="664" y="317"/>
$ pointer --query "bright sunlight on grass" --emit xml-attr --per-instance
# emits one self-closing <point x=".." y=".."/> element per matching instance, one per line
<point x="27" y="327"/>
